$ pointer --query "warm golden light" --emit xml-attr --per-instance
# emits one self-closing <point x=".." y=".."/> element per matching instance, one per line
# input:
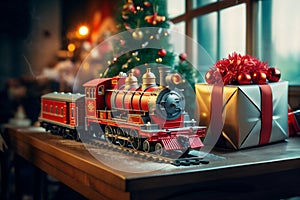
<point x="71" y="47"/>
<point x="83" y="30"/>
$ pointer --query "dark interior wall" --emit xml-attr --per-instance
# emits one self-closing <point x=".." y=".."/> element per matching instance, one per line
<point x="15" y="18"/>
<point x="29" y="37"/>
<point x="14" y="27"/>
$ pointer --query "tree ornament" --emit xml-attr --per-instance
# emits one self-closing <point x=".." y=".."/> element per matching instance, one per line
<point x="244" y="78"/>
<point x="273" y="74"/>
<point x="136" y="72"/>
<point x="145" y="44"/>
<point x="137" y="34"/>
<point x="147" y="4"/>
<point x="259" y="77"/>
<point x="127" y="9"/>
<point x="183" y="56"/>
<point x="125" y="66"/>
<point x="138" y="8"/>
<point x="162" y="52"/>
<point x="151" y="37"/>
<point x="126" y="25"/>
<point x="155" y="18"/>
<point x="158" y="60"/>
<point x="122" y="42"/>
<point x="135" y="53"/>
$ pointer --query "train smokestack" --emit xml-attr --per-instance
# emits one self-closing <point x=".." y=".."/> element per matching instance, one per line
<point x="168" y="79"/>
<point x="163" y="73"/>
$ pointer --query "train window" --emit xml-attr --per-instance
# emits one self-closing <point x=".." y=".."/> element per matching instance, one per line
<point x="92" y="92"/>
<point x="72" y="113"/>
<point x="62" y="111"/>
<point x="114" y="82"/>
<point x="101" y="90"/>
<point x="56" y="110"/>
<point x="51" y="109"/>
<point x="87" y="92"/>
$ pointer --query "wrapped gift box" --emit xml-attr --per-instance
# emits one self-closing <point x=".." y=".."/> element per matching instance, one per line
<point x="252" y="114"/>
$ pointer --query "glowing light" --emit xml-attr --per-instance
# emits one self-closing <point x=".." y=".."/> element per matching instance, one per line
<point x="71" y="47"/>
<point x="86" y="66"/>
<point x="83" y="30"/>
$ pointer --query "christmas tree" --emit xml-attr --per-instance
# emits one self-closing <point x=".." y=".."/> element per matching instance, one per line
<point x="137" y="17"/>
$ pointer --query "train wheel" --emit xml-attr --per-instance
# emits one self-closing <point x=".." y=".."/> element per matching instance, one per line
<point x="135" y="140"/>
<point x="64" y="134"/>
<point x="59" y="131"/>
<point x="159" y="150"/>
<point x="147" y="147"/>
<point x="109" y="134"/>
<point x="122" y="137"/>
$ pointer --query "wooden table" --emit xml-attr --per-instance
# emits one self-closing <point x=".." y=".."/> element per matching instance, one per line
<point x="271" y="171"/>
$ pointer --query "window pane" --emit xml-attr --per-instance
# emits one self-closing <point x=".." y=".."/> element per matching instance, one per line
<point x="233" y="30"/>
<point x="178" y="40"/>
<point x="278" y="37"/>
<point x="175" y="8"/>
<point x="198" y="3"/>
<point x="205" y="31"/>
<point x="220" y="38"/>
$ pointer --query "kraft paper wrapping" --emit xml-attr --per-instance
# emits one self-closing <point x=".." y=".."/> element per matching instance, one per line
<point x="242" y="113"/>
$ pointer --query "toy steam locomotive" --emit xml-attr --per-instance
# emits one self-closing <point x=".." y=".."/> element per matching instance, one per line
<point x="146" y="117"/>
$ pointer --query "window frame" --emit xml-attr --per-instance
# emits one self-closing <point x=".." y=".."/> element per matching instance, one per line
<point x="191" y="13"/>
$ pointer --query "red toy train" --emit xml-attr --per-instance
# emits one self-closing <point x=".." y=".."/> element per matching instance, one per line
<point x="146" y="117"/>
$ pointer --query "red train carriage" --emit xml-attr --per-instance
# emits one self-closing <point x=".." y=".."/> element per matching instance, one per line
<point x="148" y="116"/>
<point x="62" y="113"/>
